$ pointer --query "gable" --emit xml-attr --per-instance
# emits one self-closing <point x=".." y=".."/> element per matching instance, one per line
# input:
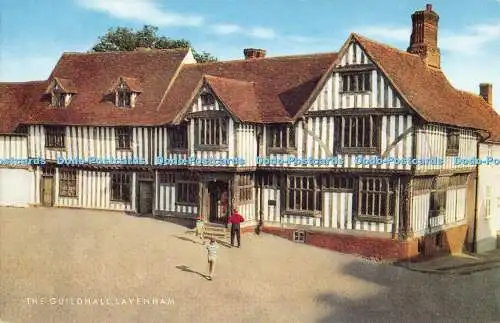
<point x="346" y="83"/>
<point x="198" y="104"/>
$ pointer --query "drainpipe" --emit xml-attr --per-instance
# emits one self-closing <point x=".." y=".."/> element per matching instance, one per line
<point x="476" y="202"/>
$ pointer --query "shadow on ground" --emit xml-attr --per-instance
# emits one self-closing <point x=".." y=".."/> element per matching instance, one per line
<point x="189" y="270"/>
<point x="416" y="297"/>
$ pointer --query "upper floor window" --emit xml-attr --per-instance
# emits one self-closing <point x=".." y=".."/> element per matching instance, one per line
<point x="452" y="143"/>
<point x="359" y="134"/>
<point x="55" y="136"/>
<point x="357" y="82"/>
<point x="207" y="99"/>
<point x="59" y="99"/>
<point x="60" y="91"/>
<point x="282" y="137"/>
<point x="123" y="98"/>
<point x="123" y="137"/>
<point x="212" y="132"/>
<point x="376" y="197"/>
<point x="178" y="137"/>
<point x="304" y="194"/>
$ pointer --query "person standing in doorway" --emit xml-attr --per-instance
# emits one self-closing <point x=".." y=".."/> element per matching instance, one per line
<point x="235" y="219"/>
<point x="212" y="257"/>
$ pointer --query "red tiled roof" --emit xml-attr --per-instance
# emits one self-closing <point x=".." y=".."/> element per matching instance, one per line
<point x="427" y="90"/>
<point x="93" y="73"/>
<point x="237" y="96"/>
<point x="132" y="84"/>
<point x="281" y="85"/>
<point x="68" y="86"/>
<point x="13" y="103"/>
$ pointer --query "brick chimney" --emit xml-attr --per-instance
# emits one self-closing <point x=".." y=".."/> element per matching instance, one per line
<point x="424" y="36"/>
<point x="254" y="53"/>
<point x="486" y="91"/>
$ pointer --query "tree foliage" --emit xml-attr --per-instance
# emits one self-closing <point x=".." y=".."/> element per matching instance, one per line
<point x="126" y="39"/>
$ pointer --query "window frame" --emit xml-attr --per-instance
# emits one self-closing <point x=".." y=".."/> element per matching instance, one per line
<point x="452" y="142"/>
<point x="207" y="99"/>
<point x="55" y="137"/>
<point x="121" y="187"/>
<point x="279" y="133"/>
<point x="356" y="82"/>
<point x="212" y="133"/>
<point x="246" y="184"/>
<point x="176" y="132"/>
<point x="123" y="97"/>
<point x="385" y="193"/>
<point x="358" y="127"/>
<point x="121" y="135"/>
<point x="68" y="183"/>
<point x="295" y="188"/>
<point x="438" y="195"/>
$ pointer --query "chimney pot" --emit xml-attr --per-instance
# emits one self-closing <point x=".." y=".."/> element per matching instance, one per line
<point x="424" y="36"/>
<point x="486" y="91"/>
<point x="254" y="53"/>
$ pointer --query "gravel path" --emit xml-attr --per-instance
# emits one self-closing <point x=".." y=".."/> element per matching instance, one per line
<point x="58" y="255"/>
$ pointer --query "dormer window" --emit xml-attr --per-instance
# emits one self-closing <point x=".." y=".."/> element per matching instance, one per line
<point x="58" y="99"/>
<point x="60" y="91"/>
<point x="124" y="92"/>
<point x="207" y="99"/>
<point x="123" y="98"/>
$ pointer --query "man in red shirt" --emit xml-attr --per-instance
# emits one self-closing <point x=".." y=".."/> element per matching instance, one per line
<point x="235" y="219"/>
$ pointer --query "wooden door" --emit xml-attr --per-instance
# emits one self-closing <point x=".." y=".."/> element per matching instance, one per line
<point x="47" y="191"/>
<point x="145" y="197"/>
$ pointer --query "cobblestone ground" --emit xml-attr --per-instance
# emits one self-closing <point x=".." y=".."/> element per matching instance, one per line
<point x="57" y="255"/>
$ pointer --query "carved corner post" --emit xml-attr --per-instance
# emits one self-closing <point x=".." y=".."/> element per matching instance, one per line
<point x="406" y="229"/>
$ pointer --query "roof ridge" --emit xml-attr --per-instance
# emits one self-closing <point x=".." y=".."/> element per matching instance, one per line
<point x="23" y="82"/>
<point x="227" y="78"/>
<point x="152" y="50"/>
<point x="292" y="56"/>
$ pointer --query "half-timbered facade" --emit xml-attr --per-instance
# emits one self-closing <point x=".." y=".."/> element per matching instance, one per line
<point x="370" y="141"/>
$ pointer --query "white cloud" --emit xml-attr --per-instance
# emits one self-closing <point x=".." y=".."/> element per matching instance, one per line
<point x="260" y="32"/>
<point x="471" y="41"/>
<point x="468" y="56"/>
<point x="399" y="34"/>
<point x="225" y="29"/>
<point x="146" y="11"/>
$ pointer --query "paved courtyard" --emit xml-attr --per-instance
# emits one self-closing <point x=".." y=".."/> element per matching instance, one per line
<point x="85" y="259"/>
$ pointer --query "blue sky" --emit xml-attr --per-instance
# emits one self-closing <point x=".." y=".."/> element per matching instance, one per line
<point x="34" y="33"/>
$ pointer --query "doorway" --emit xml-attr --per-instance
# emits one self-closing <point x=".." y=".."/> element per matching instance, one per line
<point x="145" y="197"/>
<point x="218" y="194"/>
<point x="47" y="193"/>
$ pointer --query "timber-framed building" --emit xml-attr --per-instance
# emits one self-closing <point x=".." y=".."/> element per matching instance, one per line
<point x="155" y="111"/>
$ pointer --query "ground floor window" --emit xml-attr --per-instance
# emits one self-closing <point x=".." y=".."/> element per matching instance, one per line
<point x="186" y="191"/>
<point x="375" y="198"/>
<point x="303" y="194"/>
<point x="67" y="183"/>
<point x="437" y="204"/>
<point x="245" y="187"/>
<point x="121" y="187"/>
